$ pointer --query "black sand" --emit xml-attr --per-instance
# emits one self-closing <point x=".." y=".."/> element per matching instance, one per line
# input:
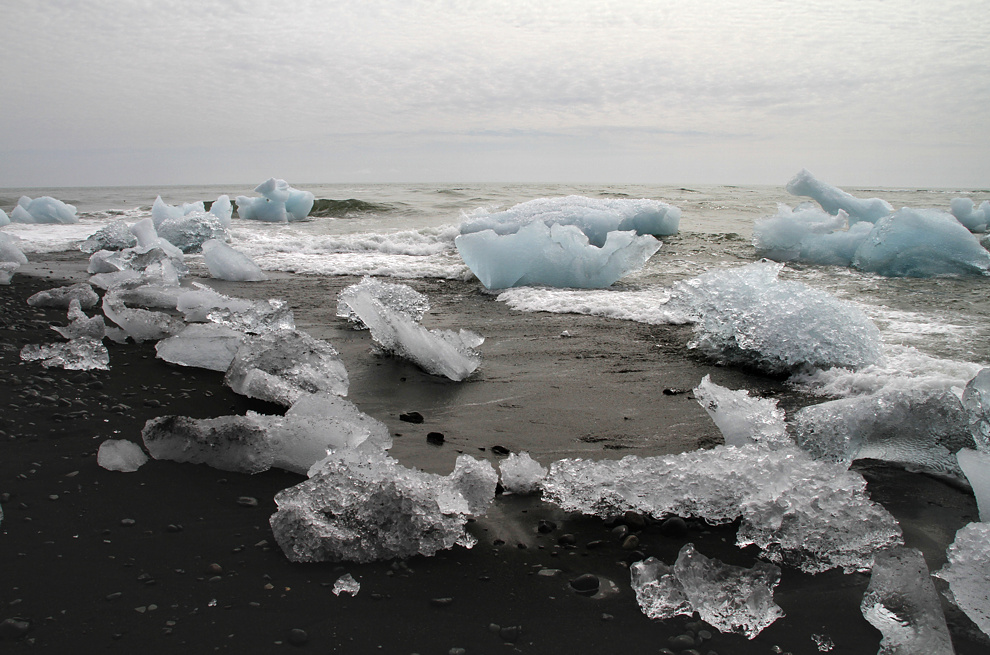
<point x="172" y="557"/>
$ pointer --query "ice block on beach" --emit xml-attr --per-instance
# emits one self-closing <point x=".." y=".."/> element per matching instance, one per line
<point x="139" y="324"/>
<point x="189" y="232"/>
<point x="976" y="401"/>
<point x="400" y="298"/>
<point x="80" y="325"/>
<point x="63" y="296"/>
<point x="228" y="443"/>
<point x="226" y="263"/>
<point x="114" y="236"/>
<point x="10" y="250"/>
<point x="968" y="573"/>
<point x="120" y="455"/>
<point x="205" y="345"/>
<point x="521" y="474"/>
<point x="80" y="354"/>
<point x="741" y="418"/>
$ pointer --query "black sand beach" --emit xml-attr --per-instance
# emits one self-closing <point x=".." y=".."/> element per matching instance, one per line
<point x="180" y="556"/>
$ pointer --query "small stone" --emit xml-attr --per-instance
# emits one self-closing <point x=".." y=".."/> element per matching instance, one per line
<point x="127" y="522"/>
<point x="630" y="543"/>
<point x="634" y="520"/>
<point x="114" y="596"/>
<point x="441" y="602"/>
<point x="247" y="501"/>
<point x="14" y="628"/>
<point x="510" y="633"/>
<point x="500" y="450"/>
<point x="567" y="539"/>
<point x="680" y="642"/>
<point x="411" y="417"/>
<point x="620" y="531"/>
<point x="435" y="438"/>
<point x="298" y="637"/>
<point x="587" y="583"/>
<point x="214" y="568"/>
<point x="546" y="527"/>
<point x="674" y="527"/>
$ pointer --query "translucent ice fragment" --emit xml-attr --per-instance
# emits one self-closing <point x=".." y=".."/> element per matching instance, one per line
<point x="975" y="219"/>
<point x="346" y="584"/>
<point x="43" y="210"/>
<point x="521" y="474"/>
<point x="658" y="591"/>
<point x="833" y="199"/>
<point x="7" y="270"/>
<point x="197" y="304"/>
<point x="397" y="297"/>
<point x="81" y="325"/>
<point x="10" y="250"/>
<point x="809" y="235"/>
<point x="115" y="236"/>
<point x="189" y="232"/>
<point x="120" y="455"/>
<point x="258" y="317"/>
<point x="975" y="465"/>
<point x="228" y="443"/>
<point x="968" y="573"/>
<point x="80" y="354"/>
<point x="208" y="346"/>
<point x="742" y="419"/>
<point x="139" y="324"/>
<point x="63" y="296"/>
<point x="225" y="263"/>
<point x="279" y="203"/>
<point x="976" y="401"/>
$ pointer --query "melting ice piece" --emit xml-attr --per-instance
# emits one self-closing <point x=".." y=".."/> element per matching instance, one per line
<point x="228" y="443"/>
<point x="921" y="243"/>
<point x="968" y="573"/>
<point x="365" y="506"/>
<point x="7" y="270"/>
<point x="148" y="238"/>
<point x="81" y="325"/>
<point x="189" y="232"/>
<point x="43" y="210"/>
<point x="208" y="346"/>
<point x="115" y="236"/>
<point x="282" y="366"/>
<point x="917" y="428"/>
<point x="225" y="263"/>
<point x="797" y="511"/>
<point x="147" y="295"/>
<point x="258" y="317"/>
<point x="139" y="324"/>
<point x="553" y="255"/>
<point x="809" y="235"/>
<point x="521" y="474"/>
<point x="137" y="259"/>
<point x="901" y="603"/>
<point x="63" y="297"/>
<point x="4" y="219"/>
<point x="742" y="419"/>
<point x="279" y="203"/>
<point x="976" y="401"/>
<point x="748" y="316"/>
<point x="346" y="584"/>
<point x="833" y="199"/>
<point x="440" y="352"/>
<point x="120" y="455"/>
<point x="976" y="465"/>
<point x="80" y="354"/>
<point x="162" y="211"/>
<point x="399" y="298"/>
<point x="197" y="304"/>
<point x="975" y="219"/>
<point x="10" y="251"/>
<point x="729" y="598"/>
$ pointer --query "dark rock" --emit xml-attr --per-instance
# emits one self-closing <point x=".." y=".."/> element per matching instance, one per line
<point x="634" y="520"/>
<point x="298" y="637"/>
<point x="510" y="633"/>
<point x="630" y="543"/>
<point x="620" y="532"/>
<point x="500" y="450"/>
<point x="435" y="438"/>
<point x="674" y="527"/>
<point x="14" y="628"/>
<point x="680" y="642"/>
<point x="247" y="501"/>
<point x="411" y="417"/>
<point x="546" y="527"/>
<point x="567" y="539"/>
<point x="586" y="584"/>
<point x="441" y="602"/>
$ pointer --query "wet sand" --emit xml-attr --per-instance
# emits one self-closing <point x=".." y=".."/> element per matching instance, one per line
<point x="172" y="556"/>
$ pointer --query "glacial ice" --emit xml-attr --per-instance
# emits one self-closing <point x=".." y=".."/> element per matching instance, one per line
<point x="228" y="443"/>
<point x="208" y="346"/>
<point x="809" y="235"/>
<point x="976" y="401"/>
<point x="554" y="255"/>
<point x="729" y="598"/>
<point x="365" y="506"/>
<point x="197" y="304"/>
<point x="800" y="512"/>
<point x="161" y="211"/>
<point x="833" y="199"/>
<point x="346" y="584"/>
<point x="43" y="210"/>
<point x="521" y="474"/>
<point x="439" y="352"/>
<point x="279" y="203"/>
<point x="968" y="573"/>
<point x="189" y="232"/>
<point x="973" y="218"/>
<point x="901" y="602"/>
<point x="920" y="429"/>
<point x="80" y="354"/>
<point x="81" y="325"/>
<point x="63" y="296"/>
<point x="748" y="316"/>
<point x="280" y="367"/>
<point x="10" y="251"/>
<point x="7" y="270"/>
<point x="226" y="263"/>
<point x="114" y="236"/>
<point x="258" y="317"/>
<point x="139" y="324"/>
<point x="120" y="455"/>
<point x="4" y="219"/>
<point x="140" y="293"/>
<point x="741" y="419"/>
<point x="921" y="243"/>
<point x="399" y="298"/>
<point x="152" y="262"/>
<point x="975" y="465"/>
<point x="148" y="238"/>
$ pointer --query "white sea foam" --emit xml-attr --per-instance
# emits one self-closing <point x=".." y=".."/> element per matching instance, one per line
<point x="643" y="306"/>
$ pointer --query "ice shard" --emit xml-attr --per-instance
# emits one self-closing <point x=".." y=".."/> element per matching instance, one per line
<point x="740" y="418"/>
<point x="10" y="251"/>
<point x="968" y="573"/>
<point x="833" y="199"/>
<point x="399" y="298"/>
<point x="228" y="443"/>
<point x="80" y="354"/>
<point x="226" y="263"/>
<point x="192" y="230"/>
<point x="976" y="401"/>
<point x="279" y="203"/>
<point x="521" y="474"/>
<point x="80" y="325"/>
<point x="975" y="464"/>
<point x="115" y="236"/>
<point x="140" y="324"/>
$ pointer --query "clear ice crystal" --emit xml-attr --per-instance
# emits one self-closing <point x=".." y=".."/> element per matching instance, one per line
<point x="399" y="298"/>
<point x="975" y="464"/>
<point x="976" y="401"/>
<point x="115" y="236"/>
<point x="139" y="324"/>
<point x="61" y="297"/>
<point x="196" y="304"/>
<point x="201" y="345"/>
<point x="521" y="474"/>
<point x="258" y="317"/>
<point x="81" y="325"/>
<point x="10" y="249"/>
<point x="226" y="263"/>
<point x="120" y="455"/>
<point x="968" y="573"/>
<point x="742" y="419"/>
<point x="228" y="443"/>
<point x="346" y="584"/>
<point x="81" y="354"/>
<point x="192" y="230"/>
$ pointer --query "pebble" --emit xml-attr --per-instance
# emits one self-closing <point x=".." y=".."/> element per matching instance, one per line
<point x="567" y="539"/>
<point x="14" y="628"/>
<point x="680" y="642"/>
<point x="298" y="637"/>
<point x="620" y="531"/>
<point x="673" y="527"/>
<point x="510" y="633"/>
<point x="214" y="568"/>
<point x="630" y="543"/>
<point x="587" y="583"/>
<point x="500" y="450"/>
<point x="127" y="522"/>
<point x="411" y="417"/>
<point x="546" y="527"/>
<point x="247" y="501"/>
<point x="441" y="602"/>
<point x="435" y="438"/>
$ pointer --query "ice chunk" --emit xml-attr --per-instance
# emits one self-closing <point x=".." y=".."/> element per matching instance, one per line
<point x="976" y="401"/>
<point x="115" y="236"/>
<point x="162" y="211"/>
<point x="901" y="603"/>
<point x="921" y="243"/>
<point x="968" y="573"/>
<point x="43" y="210"/>
<point x="364" y="507"/>
<point x="140" y="259"/>
<point x="832" y="199"/>
<point x="120" y="455"/>
<point x="279" y="203"/>
<point x="729" y="598"/>
<point x="521" y="474"/>
<point x="976" y="466"/>
<point x="225" y="263"/>
<point x="259" y="317"/>
<point x="228" y="443"/>
<point x="189" y="232"/>
<point x="797" y="511"/>
<point x="7" y="270"/>
<point x="197" y="304"/>
<point x="63" y="297"/>
<point x="396" y="297"/>
<point x="346" y="584"/>
<point x="81" y="325"/>
<point x="809" y="235"/>
<point x="975" y="219"/>
<point x="223" y="210"/>
<point x="10" y="251"/>
<point x="80" y="354"/>
<point x="140" y="293"/>
<point x="920" y="429"/>
<point x="4" y="219"/>
<point x="282" y="366"/>
<point x="440" y="352"/>
<point x="139" y="324"/>
<point x="741" y="419"/>
<point x="208" y="346"/>
<point x="554" y="255"/>
<point x="748" y="316"/>
<point x="332" y="408"/>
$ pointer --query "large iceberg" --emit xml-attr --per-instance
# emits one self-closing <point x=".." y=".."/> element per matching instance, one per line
<point x="974" y="218"/>
<point x="968" y="573"/>
<point x="833" y="199"/>
<point x="279" y="203"/>
<point x="365" y="506"/>
<point x="748" y="316"/>
<point x="226" y="263"/>
<point x="43" y="210"/>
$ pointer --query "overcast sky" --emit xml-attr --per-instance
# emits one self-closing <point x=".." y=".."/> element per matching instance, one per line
<point x="124" y="92"/>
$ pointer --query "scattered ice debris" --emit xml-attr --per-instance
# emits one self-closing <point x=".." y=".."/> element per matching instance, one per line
<point x="973" y="218"/>
<point x="201" y="345"/>
<point x="800" y="512"/>
<point x="81" y="325"/>
<point x="120" y="455"/>
<point x="833" y="199"/>
<point x="226" y="263"/>
<point x="191" y="231"/>
<point x="748" y="316"/>
<point x="439" y="352"/>
<point x="62" y="297"/>
<point x="729" y="598"/>
<point x="114" y="236"/>
<point x="346" y="584"/>
<point x="258" y="317"/>
<point x="521" y="474"/>
<point x="139" y="324"/>
<point x="968" y="573"/>
<point x="197" y="304"/>
<point x="365" y="507"/>
<point x="399" y="298"/>
<point x="741" y="419"/>
<point x="279" y="203"/>
<point x="918" y="429"/>
<point x="43" y="210"/>
<point x="152" y="263"/>
<point x="976" y="400"/>
<point x="228" y="443"/>
<point x="79" y="354"/>
<point x="553" y="255"/>
<point x="10" y="251"/>
<point x="975" y="464"/>
<point x="901" y="602"/>
<point x="280" y="367"/>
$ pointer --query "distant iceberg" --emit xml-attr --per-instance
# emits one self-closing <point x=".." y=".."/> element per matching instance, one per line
<point x="974" y="218"/>
<point x="279" y="203"/>
<point x="43" y="210"/>
<point x="833" y="200"/>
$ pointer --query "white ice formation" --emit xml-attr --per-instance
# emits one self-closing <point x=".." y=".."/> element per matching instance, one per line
<point x="975" y="219"/>
<point x="226" y="263"/>
<point x="198" y="303"/>
<point x="975" y="464"/>
<point x="365" y="506"/>
<point x="399" y="298"/>
<point x="729" y="598"/>
<point x="191" y="231"/>
<point x="258" y="317"/>
<point x="279" y="203"/>
<point x="346" y="584"/>
<point x="10" y="250"/>
<point x="82" y="326"/>
<point x="81" y="354"/>
<point x="439" y="352"/>
<point x="976" y="401"/>
<point x="120" y="455"/>
<point x="228" y="443"/>
<point x="833" y="199"/>
<point x="968" y="573"/>
<point x="748" y="316"/>
<point x="62" y="297"/>
<point x="741" y="419"/>
<point x="139" y="324"/>
<point x="114" y="236"/>
<point x="43" y="210"/>
<point x="201" y="345"/>
<point x="521" y="474"/>
<point x="901" y="602"/>
<point x="4" y="219"/>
